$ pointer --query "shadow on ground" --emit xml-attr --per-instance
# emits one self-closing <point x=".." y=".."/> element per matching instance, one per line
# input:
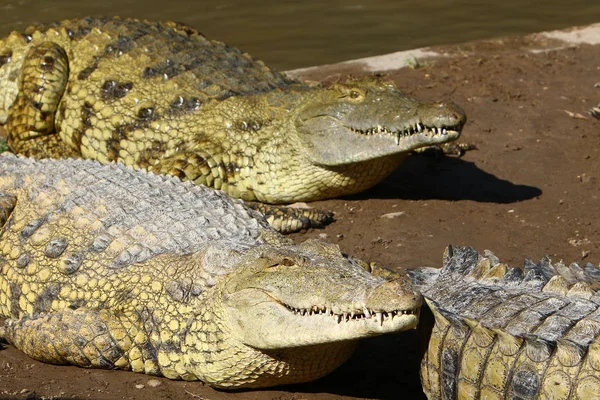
<point x="447" y="178"/>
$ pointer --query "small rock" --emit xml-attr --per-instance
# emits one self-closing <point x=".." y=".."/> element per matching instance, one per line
<point x="153" y="383"/>
<point x="322" y="235"/>
<point x="578" y="242"/>
<point x="392" y="214"/>
<point x="23" y="391"/>
<point x="139" y="386"/>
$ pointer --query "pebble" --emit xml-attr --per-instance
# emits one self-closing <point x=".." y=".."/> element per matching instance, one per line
<point x="139" y="386"/>
<point x="153" y="383"/>
<point x="392" y="214"/>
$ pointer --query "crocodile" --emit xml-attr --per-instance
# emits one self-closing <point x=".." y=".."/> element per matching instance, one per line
<point x="105" y="266"/>
<point x="509" y="333"/>
<point x="160" y="96"/>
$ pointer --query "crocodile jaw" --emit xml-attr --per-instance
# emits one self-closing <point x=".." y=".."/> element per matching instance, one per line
<point x="280" y="327"/>
<point x="314" y="294"/>
<point x="335" y="130"/>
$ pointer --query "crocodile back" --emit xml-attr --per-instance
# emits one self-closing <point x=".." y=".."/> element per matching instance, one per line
<point x="77" y="223"/>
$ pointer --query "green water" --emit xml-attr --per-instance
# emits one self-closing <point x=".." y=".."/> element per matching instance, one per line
<point x="291" y="34"/>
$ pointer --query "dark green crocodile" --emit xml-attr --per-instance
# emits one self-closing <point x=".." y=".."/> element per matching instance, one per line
<point x="163" y="97"/>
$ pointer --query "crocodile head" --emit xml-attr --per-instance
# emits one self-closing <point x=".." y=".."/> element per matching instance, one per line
<point x="313" y="295"/>
<point x="369" y="119"/>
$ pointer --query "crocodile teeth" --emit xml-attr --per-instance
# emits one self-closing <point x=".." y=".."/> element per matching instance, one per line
<point x="367" y="312"/>
<point x="338" y="318"/>
<point x="379" y="317"/>
<point x="398" y="140"/>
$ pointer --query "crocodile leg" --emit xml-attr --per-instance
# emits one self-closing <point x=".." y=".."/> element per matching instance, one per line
<point x="83" y="337"/>
<point x="291" y="219"/>
<point x="7" y="204"/>
<point x="30" y="124"/>
<point x="204" y="169"/>
<point x="447" y="149"/>
<point x="595" y="111"/>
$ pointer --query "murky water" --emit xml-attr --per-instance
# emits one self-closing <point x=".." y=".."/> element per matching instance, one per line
<point x="297" y="33"/>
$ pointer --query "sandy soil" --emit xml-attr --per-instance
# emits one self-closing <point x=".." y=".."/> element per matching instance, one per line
<point x="531" y="188"/>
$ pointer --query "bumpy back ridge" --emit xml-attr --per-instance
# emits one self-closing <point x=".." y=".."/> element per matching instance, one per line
<point x="150" y="213"/>
<point x="466" y="263"/>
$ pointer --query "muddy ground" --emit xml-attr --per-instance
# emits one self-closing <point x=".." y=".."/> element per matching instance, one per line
<point x="530" y="189"/>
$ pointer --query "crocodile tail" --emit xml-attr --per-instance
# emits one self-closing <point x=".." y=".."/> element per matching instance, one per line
<point x="466" y="263"/>
<point x="501" y="330"/>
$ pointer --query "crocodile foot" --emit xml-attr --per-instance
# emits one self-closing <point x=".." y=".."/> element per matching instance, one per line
<point x="288" y="219"/>
<point x="447" y="149"/>
<point x="595" y="111"/>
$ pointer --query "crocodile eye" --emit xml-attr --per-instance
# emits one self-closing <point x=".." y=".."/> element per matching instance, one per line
<point x="356" y="95"/>
<point x="288" y="262"/>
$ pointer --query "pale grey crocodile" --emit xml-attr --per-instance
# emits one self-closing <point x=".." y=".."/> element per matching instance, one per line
<point x="105" y="266"/>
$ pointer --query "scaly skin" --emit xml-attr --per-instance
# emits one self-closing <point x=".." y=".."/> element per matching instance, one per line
<point x="104" y="266"/>
<point x="507" y="333"/>
<point x="162" y="97"/>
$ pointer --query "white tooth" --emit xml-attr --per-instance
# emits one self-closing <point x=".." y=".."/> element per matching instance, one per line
<point x="379" y="318"/>
<point x="444" y="131"/>
<point x="367" y="313"/>
<point x="379" y="128"/>
<point x="419" y="127"/>
<point x="352" y="315"/>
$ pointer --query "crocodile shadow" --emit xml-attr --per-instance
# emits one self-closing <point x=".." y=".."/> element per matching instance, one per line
<point x="447" y="178"/>
<point x="383" y="367"/>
